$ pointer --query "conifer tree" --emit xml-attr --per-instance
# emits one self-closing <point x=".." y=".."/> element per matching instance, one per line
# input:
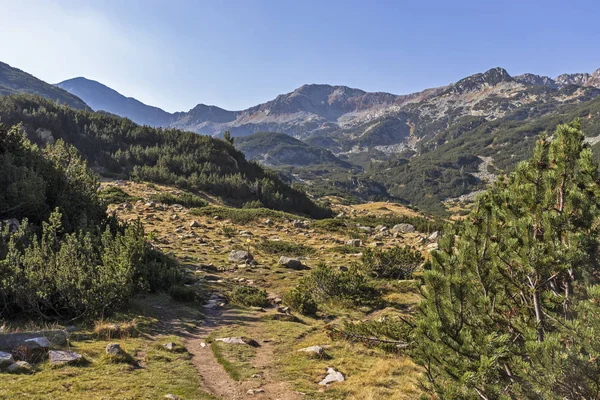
<point x="512" y="300"/>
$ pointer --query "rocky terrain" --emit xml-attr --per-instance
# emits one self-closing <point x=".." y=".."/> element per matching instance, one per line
<point x="218" y="348"/>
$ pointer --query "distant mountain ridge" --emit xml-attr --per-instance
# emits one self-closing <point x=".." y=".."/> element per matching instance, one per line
<point x="13" y="80"/>
<point x="101" y="97"/>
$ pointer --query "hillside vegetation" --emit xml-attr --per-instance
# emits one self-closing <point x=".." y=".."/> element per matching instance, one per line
<point x="118" y="147"/>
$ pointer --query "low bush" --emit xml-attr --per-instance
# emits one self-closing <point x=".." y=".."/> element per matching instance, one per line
<point x="115" y="195"/>
<point x="331" y="225"/>
<point x="188" y="200"/>
<point x="301" y="301"/>
<point x="325" y="284"/>
<point x="249" y="296"/>
<point x="283" y="248"/>
<point x="396" y="263"/>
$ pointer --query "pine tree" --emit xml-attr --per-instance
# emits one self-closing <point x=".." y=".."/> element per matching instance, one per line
<point x="512" y="302"/>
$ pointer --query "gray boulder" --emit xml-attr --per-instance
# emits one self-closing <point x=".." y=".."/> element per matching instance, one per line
<point x="38" y="343"/>
<point x="354" y="242"/>
<point x="315" y="351"/>
<point x="63" y="357"/>
<point x="6" y="359"/>
<point x="240" y="256"/>
<point x="403" y="228"/>
<point x="434" y="236"/>
<point x="114" y="349"/>
<point x="289" y="262"/>
<point x="20" y="367"/>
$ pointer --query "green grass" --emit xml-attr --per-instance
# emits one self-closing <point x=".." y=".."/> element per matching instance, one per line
<point x="160" y="372"/>
<point x="281" y="247"/>
<point x="344" y="249"/>
<point x="243" y="215"/>
<point x="236" y="359"/>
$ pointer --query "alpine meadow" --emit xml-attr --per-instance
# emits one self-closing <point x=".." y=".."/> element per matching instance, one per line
<point x="433" y="235"/>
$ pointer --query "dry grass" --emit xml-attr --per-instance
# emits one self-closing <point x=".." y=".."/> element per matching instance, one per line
<point x="371" y="373"/>
<point x="110" y="330"/>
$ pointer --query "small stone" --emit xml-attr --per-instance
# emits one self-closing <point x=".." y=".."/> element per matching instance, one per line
<point x="169" y="346"/>
<point x="20" y="367"/>
<point x="194" y="224"/>
<point x="277" y="300"/>
<point x="354" y="242"/>
<point x="434" y="236"/>
<point x="252" y="392"/>
<point x="114" y="349"/>
<point x="332" y="376"/>
<point x="314" y="350"/>
<point x="63" y="357"/>
<point x="172" y="397"/>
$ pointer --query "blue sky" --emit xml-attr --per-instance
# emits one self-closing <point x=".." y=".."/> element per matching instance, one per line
<point x="235" y="53"/>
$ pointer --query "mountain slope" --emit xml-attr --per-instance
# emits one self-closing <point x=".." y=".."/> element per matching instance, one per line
<point x="101" y="97"/>
<point x="117" y="147"/>
<point x="279" y="149"/>
<point x="13" y="80"/>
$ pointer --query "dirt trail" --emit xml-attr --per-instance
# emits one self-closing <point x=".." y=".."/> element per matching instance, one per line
<point x="215" y="379"/>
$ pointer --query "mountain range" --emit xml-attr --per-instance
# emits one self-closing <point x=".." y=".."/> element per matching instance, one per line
<point x="422" y="148"/>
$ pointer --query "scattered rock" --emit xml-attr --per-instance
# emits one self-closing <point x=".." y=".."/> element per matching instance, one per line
<point x="238" y="340"/>
<point x="63" y="357"/>
<point x="283" y="310"/>
<point x="114" y="349"/>
<point x="343" y="268"/>
<point x="252" y="392"/>
<point x="403" y="228"/>
<point x="289" y="262"/>
<point x="332" y="376"/>
<point x="269" y="222"/>
<point x="194" y="224"/>
<point x="300" y="224"/>
<point x="354" y="242"/>
<point x="172" y="397"/>
<point x="434" y="236"/>
<point x="20" y="367"/>
<point x="367" y="229"/>
<point x="38" y="343"/>
<point x="246" y="233"/>
<point x="240" y="256"/>
<point x="315" y="351"/>
<point x="277" y="300"/>
<point x="6" y="359"/>
<point x="170" y="346"/>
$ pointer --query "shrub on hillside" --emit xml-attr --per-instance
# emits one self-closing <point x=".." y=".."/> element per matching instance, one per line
<point x="283" y="248"/>
<point x="188" y="200"/>
<point x="396" y="263"/>
<point x="249" y="296"/>
<point x="301" y="301"/>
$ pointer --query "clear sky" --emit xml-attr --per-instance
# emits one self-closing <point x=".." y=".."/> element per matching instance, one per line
<point x="238" y="53"/>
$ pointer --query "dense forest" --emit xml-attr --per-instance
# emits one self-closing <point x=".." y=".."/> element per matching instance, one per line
<point x="117" y="147"/>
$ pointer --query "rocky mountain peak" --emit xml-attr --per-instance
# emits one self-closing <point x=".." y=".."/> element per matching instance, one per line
<point x="536" y="80"/>
<point x="491" y="77"/>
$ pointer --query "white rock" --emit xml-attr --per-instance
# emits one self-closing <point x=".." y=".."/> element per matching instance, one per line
<point x="332" y="376"/>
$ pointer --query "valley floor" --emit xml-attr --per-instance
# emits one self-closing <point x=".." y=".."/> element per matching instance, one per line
<point x="274" y="369"/>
